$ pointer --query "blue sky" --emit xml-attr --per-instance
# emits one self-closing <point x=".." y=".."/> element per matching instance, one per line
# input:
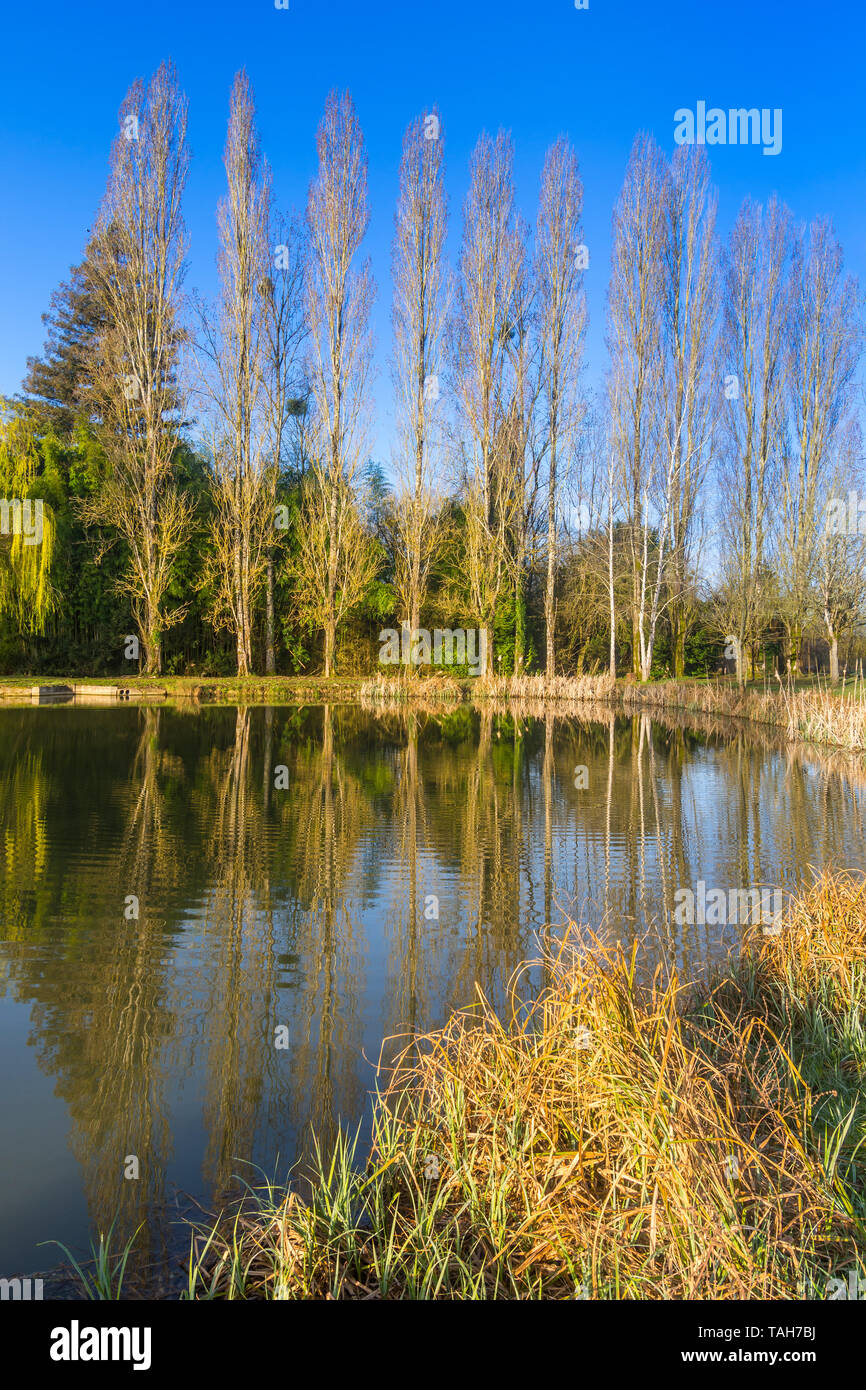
<point x="537" y="69"/>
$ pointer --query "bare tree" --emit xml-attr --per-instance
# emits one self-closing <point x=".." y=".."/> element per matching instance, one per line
<point x="285" y="391"/>
<point x="592" y="586"/>
<point x="233" y="343"/>
<point x="755" y="313"/>
<point x="611" y="552"/>
<point x="692" y="387"/>
<point x="138" y="275"/>
<point x="561" y="326"/>
<point x="841" y="567"/>
<point x="420" y="305"/>
<point x="339" y="300"/>
<point x="522" y="440"/>
<point x="325" y="532"/>
<point x="824" y="338"/>
<point x="636" y="385"/>
<point x="492" y="264"/>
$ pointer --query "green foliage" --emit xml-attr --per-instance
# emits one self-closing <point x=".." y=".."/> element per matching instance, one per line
<point x="28" y="530"/>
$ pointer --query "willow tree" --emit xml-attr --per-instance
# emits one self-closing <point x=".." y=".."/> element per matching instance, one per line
<point x="562" y="324"/>
<point x="418" y="316"/>
<point x="339" y="299"/>
<point x="233" y="355"/>
<point x="138" y="273"/>
<point x="27" y="530"/>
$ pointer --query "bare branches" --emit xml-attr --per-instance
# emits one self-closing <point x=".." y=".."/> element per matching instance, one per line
<point x="692" y="382"/>
<point x="233" y="357"/>
<point x="635" y="329"/>
<point x="824" y="340"/>
<point x="420" y="305"/>
<point x="490" y="317"/>
<point x="730" y="375"/>
<point x="339" y="301"/>
<point x="139" y="273"/>
<point x="755" y="309"/>
<point x="562" y="324"/>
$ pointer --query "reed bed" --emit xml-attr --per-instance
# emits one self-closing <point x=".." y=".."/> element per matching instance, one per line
<point x="431" y="691"/>
<point x="556" y="688"/>
<point x="825" y="714"/>
<point x="609" y="1139"/>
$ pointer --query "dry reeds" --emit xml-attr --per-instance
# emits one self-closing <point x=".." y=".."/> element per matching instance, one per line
<point x="389" y="691"/>
<point x="820" y="715"/>
<point x="609" y="1140"/>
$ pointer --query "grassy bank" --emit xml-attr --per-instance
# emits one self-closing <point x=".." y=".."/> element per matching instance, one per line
<point x="610" y="1140"/>
<point x="225" y="690"/>
<point x="806" y="710"/>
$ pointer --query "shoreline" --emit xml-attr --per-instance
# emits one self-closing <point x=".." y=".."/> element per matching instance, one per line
<point x="808" y="712"/>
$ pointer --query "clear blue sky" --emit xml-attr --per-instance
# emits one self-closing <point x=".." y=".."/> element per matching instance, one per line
<point x="540" y="68"/>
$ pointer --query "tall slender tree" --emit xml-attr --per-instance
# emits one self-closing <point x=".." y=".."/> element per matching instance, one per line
<point x="841" y="561"/>
<point x="636" y="384"/>
<point x="138" y="272"/>
<point x="487" y="317"/>
<point x="285" y="391"/>
<point x="755" y="323"/>
<point x="692" y="387"/>
<point x="421" y="289"/>
<point x="562" y="326"/>
<point x="824" y="343"/>
<point x="339" y="300"/>
<point x="233" y="352"/>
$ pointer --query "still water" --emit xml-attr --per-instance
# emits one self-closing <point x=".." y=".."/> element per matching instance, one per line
<point x="180" y="884"/>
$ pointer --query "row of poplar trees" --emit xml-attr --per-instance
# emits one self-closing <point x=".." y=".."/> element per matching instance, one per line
<point x="726" y="423"/>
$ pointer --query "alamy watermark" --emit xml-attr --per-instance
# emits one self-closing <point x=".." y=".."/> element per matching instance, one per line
<point x="848" y="1286"/>
<point x="77" y="1343"/>
<point x="738" y="906"/>
<point x="846" y="516"/>
<point x="22" y="518"/>
<point x="20" y="1290"/>
<point x="443" y="647"/>
<point x="739" y="126"/>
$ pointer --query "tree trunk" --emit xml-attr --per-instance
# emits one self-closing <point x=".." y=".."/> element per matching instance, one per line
<point x="519" y="621"/>
<point x="551" y="569"/>
<point x="151" y="640"/>
<point x="678" y="627"/>
<point x="414" y="619"/>
<point x="610" y="586"/>
<point x="330" y="643"/>
<point x="270" y="655"/>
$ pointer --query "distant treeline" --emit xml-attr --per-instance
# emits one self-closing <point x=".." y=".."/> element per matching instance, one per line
<point x="202" y="469"/>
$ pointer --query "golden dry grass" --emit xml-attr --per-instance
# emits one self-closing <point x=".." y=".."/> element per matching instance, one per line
<point x="607" y="1140"/>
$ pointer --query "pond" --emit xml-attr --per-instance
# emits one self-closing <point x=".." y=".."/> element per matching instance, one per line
<point x="212" y="917"/>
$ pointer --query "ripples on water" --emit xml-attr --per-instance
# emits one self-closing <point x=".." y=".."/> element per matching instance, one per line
<point x="314" y="907"/>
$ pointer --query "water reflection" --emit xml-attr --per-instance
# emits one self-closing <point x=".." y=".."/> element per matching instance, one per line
<point x="346" y="876"/>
